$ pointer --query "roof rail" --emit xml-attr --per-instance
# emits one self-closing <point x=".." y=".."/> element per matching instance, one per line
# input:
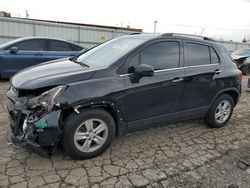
<point x="187" y="35"/>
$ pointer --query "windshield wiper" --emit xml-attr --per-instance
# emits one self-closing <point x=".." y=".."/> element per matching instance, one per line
<point x="74" y="59"/>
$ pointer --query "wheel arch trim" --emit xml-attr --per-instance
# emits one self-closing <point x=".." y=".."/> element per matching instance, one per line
<point x="227" y="91"/>
<point x="109" y="106"/>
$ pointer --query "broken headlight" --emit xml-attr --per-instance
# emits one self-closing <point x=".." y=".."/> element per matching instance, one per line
<point x="47" y="99"/>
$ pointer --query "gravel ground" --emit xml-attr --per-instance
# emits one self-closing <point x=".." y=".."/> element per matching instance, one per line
<point x="178" y="155"/>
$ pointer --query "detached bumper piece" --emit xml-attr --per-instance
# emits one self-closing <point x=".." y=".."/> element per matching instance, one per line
<point x="31" y="146"/>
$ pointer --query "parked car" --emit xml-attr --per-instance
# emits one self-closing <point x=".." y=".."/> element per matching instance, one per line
<point x="242" y="60"/>
<point x="124" y="84"/>
<point x="25" y="52"/>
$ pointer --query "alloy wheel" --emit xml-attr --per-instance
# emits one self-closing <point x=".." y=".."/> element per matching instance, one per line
<point x="91" y="135"/>
<point x="223" y="111"/>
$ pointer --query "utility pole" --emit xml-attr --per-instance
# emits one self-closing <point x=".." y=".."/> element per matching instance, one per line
<point x="27" y="14"/>
<point x="202" y="30"/>
<point x="155" y="22"/>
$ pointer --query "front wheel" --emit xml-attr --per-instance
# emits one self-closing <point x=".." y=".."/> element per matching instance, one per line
<point x="220" y="112"/>
<point x="88" y="134"/>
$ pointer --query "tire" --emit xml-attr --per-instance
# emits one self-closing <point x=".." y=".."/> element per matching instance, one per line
<point x="80" y="142"/>
<point x="214" y="111"/>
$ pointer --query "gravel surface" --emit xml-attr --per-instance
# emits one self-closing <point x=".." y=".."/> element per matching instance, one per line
<point x="185" y="154"/>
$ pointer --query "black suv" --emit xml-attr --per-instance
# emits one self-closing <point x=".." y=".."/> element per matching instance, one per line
<point x="127" y="83"/>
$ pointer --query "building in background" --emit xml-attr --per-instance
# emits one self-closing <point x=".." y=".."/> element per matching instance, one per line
<point x="5" y="14"/>
<point x="87" y="35"/>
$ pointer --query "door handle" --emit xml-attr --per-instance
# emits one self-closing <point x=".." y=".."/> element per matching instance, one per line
<point x="177" y="80"/>
<point x="217" y="71"/>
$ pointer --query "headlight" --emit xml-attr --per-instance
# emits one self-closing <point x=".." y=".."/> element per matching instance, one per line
<point x="47" y="99"/>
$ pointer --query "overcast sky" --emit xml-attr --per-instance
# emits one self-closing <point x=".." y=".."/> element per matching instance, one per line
<point x="227" y="19"/>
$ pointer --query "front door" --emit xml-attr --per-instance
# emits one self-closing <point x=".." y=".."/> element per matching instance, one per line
<point x="158" y="98"/>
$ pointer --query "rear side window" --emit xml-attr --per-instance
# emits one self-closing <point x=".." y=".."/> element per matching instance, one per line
<point x="59" y="46"/>
<point x="214" y="56"/>
<point x="76" y="48"/>
<point x="197" y="54"/>
<point x="31" y="45"/>
<point x="162" y="55"/>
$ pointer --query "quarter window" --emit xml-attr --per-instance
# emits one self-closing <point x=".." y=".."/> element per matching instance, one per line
<point x="76" y="48"/>
<point x="59" y="46"/>
<point x="134" y="61"/>
<point x="214" y="56"/>
<point x="197" y="54"/>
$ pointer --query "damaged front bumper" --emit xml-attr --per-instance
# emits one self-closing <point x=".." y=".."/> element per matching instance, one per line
<point x="39" y="134"/>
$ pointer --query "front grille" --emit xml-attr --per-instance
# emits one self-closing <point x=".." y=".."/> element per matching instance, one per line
<point x="30" y="92"/>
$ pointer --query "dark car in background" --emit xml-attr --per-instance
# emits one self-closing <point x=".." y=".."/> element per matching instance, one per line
<point x="121" y="85"/>
<point x="25" y="52"/>
<point x="242" y="59"/>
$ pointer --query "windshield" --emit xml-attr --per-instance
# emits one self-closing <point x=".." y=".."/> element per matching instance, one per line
<point x="241" y="52"/>
<point x="7" y="44"/>
<point x="110" y="51"/>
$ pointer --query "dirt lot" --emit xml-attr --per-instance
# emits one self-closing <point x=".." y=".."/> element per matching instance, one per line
<point x="178" y="155"/>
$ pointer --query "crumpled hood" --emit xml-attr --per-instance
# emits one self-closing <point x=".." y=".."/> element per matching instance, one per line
<point x="51" y="73"/>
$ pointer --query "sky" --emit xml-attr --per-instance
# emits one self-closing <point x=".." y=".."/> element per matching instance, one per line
<point x="220" y="19"/>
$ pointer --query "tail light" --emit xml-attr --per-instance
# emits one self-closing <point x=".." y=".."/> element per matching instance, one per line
<point x="240" y="73"/>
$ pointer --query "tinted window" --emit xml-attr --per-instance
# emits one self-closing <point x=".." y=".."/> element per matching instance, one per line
<point x="197" y="54"/>
<point x="134" y="61"/>
<point x="163" y="55"/>
<point x="76" y="48"/>
<point x="58" y="46"/>
<point x="214" y="56"/>
<point x="31" y="45"/>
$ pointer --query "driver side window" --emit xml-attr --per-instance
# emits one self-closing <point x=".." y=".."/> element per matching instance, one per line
<point x="30" y="45"/>
<point x="161" y="55"/>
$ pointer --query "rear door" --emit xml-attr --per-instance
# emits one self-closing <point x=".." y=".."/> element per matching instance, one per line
<point x="59" y="49"/>
<point x="155" y="99"/>
<point x="202" y="78"/>
<point x="30" y="52"/>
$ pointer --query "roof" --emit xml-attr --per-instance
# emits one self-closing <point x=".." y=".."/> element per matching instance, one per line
<point x="197" y="38"/>
<point x="4" y="45"/>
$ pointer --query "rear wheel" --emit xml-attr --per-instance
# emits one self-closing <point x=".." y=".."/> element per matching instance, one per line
<point x="220" y="112"/>
<point x="88" y="134"/>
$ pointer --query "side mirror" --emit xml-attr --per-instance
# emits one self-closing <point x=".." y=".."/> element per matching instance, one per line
<point x="141" y="71"/>
<point x="13" y="50"/>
